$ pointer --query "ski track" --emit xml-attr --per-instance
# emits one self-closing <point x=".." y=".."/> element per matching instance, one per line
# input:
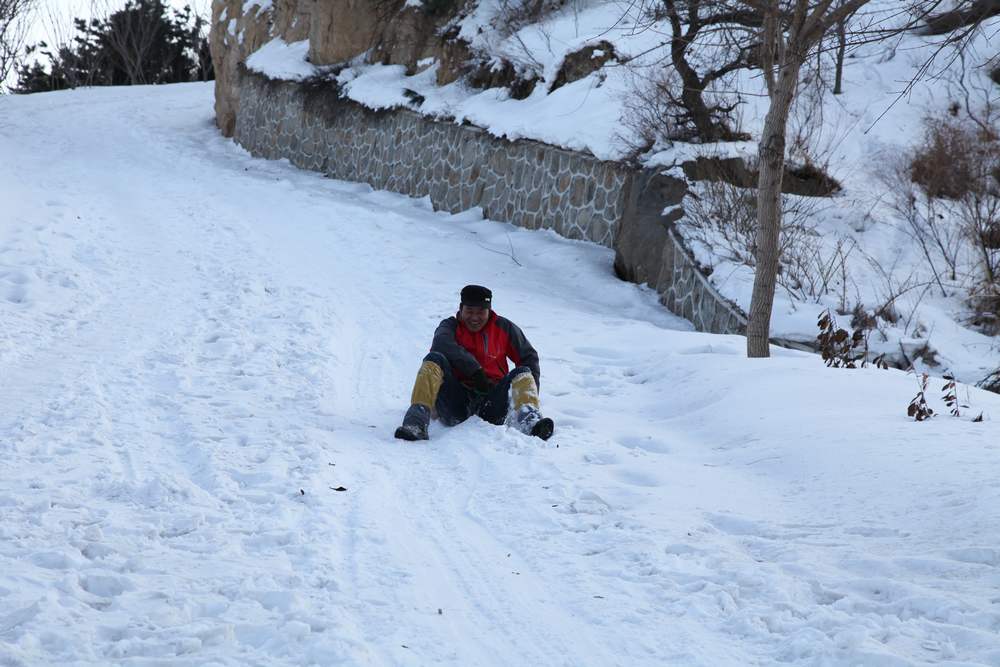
<point x="197" y="347"/>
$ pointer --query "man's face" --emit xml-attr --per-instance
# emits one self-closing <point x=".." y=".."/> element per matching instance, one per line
<point x="473" y="317"/>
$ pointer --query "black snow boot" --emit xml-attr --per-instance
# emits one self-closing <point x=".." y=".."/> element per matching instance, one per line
<point x="543" y="428"/>
<point x="415" y="423"/>
<point x="531" y="422"/>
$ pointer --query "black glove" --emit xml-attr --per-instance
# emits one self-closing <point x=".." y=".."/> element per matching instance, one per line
<point x="480" y="383"/>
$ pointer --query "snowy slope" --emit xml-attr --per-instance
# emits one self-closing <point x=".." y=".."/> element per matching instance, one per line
<point x="197" y="347"/>
<point x="856" y="252"/>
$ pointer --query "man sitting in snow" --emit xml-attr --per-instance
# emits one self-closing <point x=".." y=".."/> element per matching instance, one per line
<point x="465" y="373"/>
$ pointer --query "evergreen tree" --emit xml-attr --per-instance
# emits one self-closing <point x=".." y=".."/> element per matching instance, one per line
<point x="145" y="42"/>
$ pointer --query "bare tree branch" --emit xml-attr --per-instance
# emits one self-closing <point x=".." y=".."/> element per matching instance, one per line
<point x="15" y="19"/>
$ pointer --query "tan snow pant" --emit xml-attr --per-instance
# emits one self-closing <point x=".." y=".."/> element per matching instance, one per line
<point x="430" y="377"/>
<point x="524" y="391"/>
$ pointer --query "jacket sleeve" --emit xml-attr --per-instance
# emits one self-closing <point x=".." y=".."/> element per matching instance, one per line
<point x="519" y="349"/>
<point x="445" y="343"/>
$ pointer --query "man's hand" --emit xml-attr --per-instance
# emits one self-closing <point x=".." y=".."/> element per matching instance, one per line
<point x="480" y="383"/>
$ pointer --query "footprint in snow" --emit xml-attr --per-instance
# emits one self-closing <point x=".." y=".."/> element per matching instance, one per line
<point x="709" y="349"/>
<point x="105" y="586"/>
<point x="16" y="295"/>
<point x="52" y="560"/>
<point x="645" y="443"/>
<point x="15" y="277"/>
<point x="96" y="551"/>
<point x="734" y="525"/>
<point x="639" y="478"/>
<point x="976" y="555"/>
<point x="589" y="503"/>
<point x="871" y="531"/>
<point x="684" y="550"/>
<point x="599" y="352"/>
<point x="601" y="459"/>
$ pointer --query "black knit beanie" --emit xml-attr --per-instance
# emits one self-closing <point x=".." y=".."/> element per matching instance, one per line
<point x="477" y="296"/>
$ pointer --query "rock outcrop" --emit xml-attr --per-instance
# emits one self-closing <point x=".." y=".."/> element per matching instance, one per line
<point x="235" y="35"/>
<point x="391" y="33"/>
<point x="584" y="62"/>
<point x="342" y="29"/>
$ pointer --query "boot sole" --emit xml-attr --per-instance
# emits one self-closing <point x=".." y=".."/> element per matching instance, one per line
<point x="404" y="434"/>
<point x="543" y="429"/>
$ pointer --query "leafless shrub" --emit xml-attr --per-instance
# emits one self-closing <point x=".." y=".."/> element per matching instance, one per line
<point x="947" y="192"/>
<point x="950" y="396"/>
<point x="918" y="408"/>
<point x="515" y="61"/>
<point x="810" y="270"/>
<point x="945" y="165"/>
<point x="722" y="218"/>
<point x="979" y="211"/>
<point x="63" y="28"/>
<point x="15" y="19"/>
<point x="979" y="207"/>
<point x="708" y="43"/>
<point x="840" y="349"/>
<point x="808" y="140"/>
<point x="514" y="15"/>
<point x="939" y="239"/>
<point x="655" y="113"/>
<point x="889" y="288"/>
<point x="648" y="111"/>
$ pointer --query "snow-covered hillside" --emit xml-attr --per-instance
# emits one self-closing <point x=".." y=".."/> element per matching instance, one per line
<point x="855" y="253"/>
<point x="197" y="348"/>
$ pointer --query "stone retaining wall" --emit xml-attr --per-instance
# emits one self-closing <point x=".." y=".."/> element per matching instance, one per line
<point x="526" y="183"/>
<point x="649" y="251"/>
<point x="458" y="166"/>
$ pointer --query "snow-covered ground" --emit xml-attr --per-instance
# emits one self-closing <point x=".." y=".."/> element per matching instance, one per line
<point x="197" y="347"/>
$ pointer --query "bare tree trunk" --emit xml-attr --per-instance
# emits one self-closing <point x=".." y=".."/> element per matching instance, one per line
<point x="693" y="101"/>
<point x="838" y="77"/>
<point x="691" y="85"/>
<point x="772" y="168"/>
<point x="788" y="35"/>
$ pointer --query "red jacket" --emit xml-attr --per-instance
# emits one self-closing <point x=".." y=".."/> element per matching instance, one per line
<point x="489" y="348"/>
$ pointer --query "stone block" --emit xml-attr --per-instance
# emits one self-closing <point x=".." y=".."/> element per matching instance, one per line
<point x="488" y="195"/>
<point x="563" y="182"/>
<point x="533" y="203"/>
<point x="571" y="231"/>
<point x="577" y="191"/>
<point x="601" y="234"/>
